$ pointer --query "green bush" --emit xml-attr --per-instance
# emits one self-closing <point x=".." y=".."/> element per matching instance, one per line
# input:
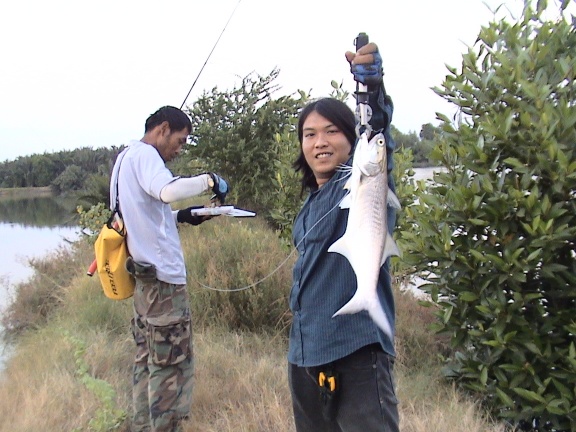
<point x="233" y="134"/>
<point x="495" y="234"/>
<point x="92" y="220"/>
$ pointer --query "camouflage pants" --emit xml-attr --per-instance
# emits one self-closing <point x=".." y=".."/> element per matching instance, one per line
<point x="164" y="363"/>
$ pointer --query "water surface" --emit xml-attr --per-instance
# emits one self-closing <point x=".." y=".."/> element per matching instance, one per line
<point x="29" y="228"/>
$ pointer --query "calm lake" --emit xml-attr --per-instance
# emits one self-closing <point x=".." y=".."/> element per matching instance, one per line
<point x="30" y="228"/>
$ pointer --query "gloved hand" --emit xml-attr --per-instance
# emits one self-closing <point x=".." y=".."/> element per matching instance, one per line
<point x="366" y="64"/>
<point x="219" y="187"/>
<point x="186" y="215"/>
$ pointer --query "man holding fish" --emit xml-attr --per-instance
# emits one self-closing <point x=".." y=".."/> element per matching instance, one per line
<point x="341" y="352"/>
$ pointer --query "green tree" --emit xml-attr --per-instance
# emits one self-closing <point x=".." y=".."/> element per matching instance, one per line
<point x="420" y="148"/>
<point x="40" y="170"/>
<point x="429" y="132"/>
<point x="96" y="190"/>
<point x="71" y="179"/>
<point x="246" y="136"/>
<point x="495" y="235"/>
<point x="402" y="140"/>
<point x="44" y="166"/>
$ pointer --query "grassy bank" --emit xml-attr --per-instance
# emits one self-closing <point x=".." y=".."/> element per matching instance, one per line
<point x="26" y="192"/>
<point x="72" y="361"/>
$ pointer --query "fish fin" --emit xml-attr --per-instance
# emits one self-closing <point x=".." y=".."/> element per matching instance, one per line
<point x="356" y="304"/>
<point x="340" y="246"/>
<point x="390" y="249"/>
<point x="346" y="202"/>
<point x="352" y="186"/>
<point x="393" y="200"/>
<point x="371" y="304"/>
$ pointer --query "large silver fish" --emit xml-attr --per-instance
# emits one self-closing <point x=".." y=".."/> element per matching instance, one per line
<point x="366" y="242"/>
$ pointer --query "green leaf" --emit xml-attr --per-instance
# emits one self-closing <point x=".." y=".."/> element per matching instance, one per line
<point x="507" y="400"/>
<point x="447" y="314"/>
<point x="529" y="395"/>
<point x="484" y="375"/>
<point x="477" y="255"/>
<point x="534" y="255"/>
<point x="555" y="406"/>
<point x="514" y="162"/>
<point x="492" y="343"/>
<point x="478" y="222"/>
<point x="468" y="296"/>
<point x="533" y="348"/>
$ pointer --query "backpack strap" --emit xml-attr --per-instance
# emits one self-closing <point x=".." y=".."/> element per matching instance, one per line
<point x="116" y="208"/>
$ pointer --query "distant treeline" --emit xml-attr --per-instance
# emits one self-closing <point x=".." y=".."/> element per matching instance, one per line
<point x="421" y="145"/>
<point x="72" y="170"/>
<point x="63" y="171"/>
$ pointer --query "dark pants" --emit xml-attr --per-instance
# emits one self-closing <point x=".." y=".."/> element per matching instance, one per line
<point x="364" y="399"/>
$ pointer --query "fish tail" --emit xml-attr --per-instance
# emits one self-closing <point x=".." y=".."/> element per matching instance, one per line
<point x="379" y="317"/>
<point x="358" y="303"/>
<point x="355" y="305"/>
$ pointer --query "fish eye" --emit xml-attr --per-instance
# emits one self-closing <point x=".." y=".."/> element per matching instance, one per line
<point x="381" y="142"/>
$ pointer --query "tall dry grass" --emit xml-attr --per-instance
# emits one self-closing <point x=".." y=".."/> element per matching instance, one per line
<point x="241" y="383"/>
<point x="74" y="359"/>
<point x="239" y="274"/>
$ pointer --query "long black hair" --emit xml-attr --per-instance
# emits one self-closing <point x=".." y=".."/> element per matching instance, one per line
<point x="336" y="112"/>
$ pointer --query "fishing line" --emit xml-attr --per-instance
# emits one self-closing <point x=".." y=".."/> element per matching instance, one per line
<point x="279" y="265"/>
<point x="346" y="169"/>
<point x="207" y="58"/>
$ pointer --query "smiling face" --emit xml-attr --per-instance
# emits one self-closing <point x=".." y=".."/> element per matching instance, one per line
<point x="324" y="146"/>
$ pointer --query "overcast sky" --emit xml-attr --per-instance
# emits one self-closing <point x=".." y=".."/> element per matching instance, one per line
<point x="87" y="74"/>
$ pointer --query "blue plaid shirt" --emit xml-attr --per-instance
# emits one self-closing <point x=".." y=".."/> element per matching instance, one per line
<point x="324" y="281"/>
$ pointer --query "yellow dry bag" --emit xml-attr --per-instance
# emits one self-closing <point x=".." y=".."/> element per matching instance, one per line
<point x="111" y="253"/>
